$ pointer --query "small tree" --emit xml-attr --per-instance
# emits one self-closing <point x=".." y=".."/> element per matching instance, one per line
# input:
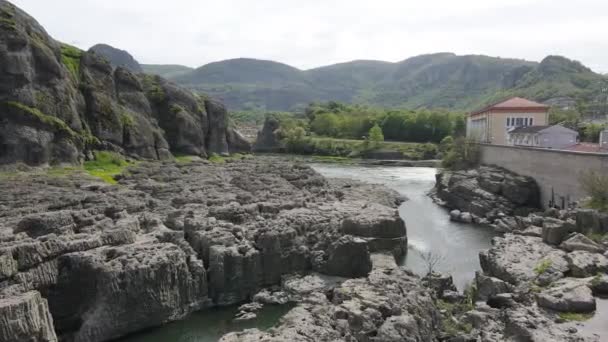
<point x="463" y="154"/>
<point x="375" y="135"/>
<point x="596" y="186"/>
<point x="431" y="261"/>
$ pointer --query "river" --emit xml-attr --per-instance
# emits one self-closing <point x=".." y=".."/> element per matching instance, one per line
<point x="428" y="228"/>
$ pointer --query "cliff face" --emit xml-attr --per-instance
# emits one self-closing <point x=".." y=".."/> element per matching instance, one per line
<point x="57" y="103"/>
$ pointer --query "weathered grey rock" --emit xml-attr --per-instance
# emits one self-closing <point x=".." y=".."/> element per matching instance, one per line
<point x="489" y="286"/>
<point x="516" y="258"/>
<point x="348" y="257"/>
<point x="26" y="317"/>
<point x="567" y="296"/>
<point x="58" y="103"/>
<point x="35" y="225"/>
<point x="439" y="283"/>
<point x="585" y="264"/>
<point x="374" y="221"/>
<point x="389" y="304"/>
<point x="8" y="265"/>
<point x="455" y="215"/>
<point x="579" y="242"/>
<point x="534" y="231"/>
<point x="486" y="191"/>
<point x="268" y="140"/>
<point x="528" y="323"/>
<point x="587" y="221"/>
<point x="599" y="284"/>
<point x="555" y="230"/>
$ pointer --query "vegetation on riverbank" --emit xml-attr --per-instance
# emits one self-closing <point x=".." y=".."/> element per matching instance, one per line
<point x="596" y="186"/>
<point x="460" y="153"/>
<point x="106" y="166"/>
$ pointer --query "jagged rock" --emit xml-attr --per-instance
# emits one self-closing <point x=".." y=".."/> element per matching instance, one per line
<point x="489" y="286"/>
<point x="567" y="296"/>
<point x="501" y="301"/>
<point x="527" y="323"/>
<point x="516" y="258"/>
<point x="57" y="222"/>
<point x="268" y="140"/>
<point x="599" y="284"/>
<point x="579" y="242"/>
<point x="585" y="264"/>
<point x="8" y="266"/>
<point x="534" y="231"/>
<point x="555" y="231"/>
<point x="374" y="221"/>
<point x="348" y="257"/>
<point x="439" y="283"/>
<point x="486" y="191"/>
<point x="389" y="305"/>
<point x="588" y="221"/>
<point x="26" y="317"/>
<point x="58" y="103"/>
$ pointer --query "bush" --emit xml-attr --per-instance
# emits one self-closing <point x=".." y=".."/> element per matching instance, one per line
<point x="596" y="186"/>
<point x="463" y="154"/>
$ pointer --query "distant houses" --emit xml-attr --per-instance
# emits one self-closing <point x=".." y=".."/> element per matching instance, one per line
<point x="493" y="123"/>
<point x="556" y="137"/>
<point x="521" y="122"/>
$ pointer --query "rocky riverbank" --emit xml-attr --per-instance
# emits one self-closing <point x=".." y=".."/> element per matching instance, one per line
<point x="544" y="274"/>
<point x="82" y="260"/>
<point x="484" y="194"/>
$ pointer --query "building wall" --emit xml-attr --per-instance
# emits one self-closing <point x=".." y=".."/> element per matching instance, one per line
<point x="557" y="140"/>
<point x="498" y="123"/>
<point x="559" y="171"/>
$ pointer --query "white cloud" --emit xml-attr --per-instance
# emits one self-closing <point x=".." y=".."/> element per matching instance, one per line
<point x="318" y="32"/>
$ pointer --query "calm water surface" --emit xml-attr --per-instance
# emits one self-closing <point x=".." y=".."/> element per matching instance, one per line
<point x="428" y="225"/>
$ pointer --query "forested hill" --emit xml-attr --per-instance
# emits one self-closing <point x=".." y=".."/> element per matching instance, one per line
<point x="441" y="80"/>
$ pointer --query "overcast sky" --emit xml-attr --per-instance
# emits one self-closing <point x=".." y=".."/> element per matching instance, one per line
<point x="311" y="33"/>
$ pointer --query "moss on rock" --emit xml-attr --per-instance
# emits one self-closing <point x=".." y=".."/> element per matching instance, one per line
<point x="70" y="57"/>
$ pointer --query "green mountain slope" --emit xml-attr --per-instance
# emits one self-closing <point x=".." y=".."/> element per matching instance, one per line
<point x="166" y="71"/>
<point x="435" y="80"/>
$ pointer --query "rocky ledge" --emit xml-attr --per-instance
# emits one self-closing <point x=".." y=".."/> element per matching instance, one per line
<point x="82" y="260"/>
<point x="481" y="195"/>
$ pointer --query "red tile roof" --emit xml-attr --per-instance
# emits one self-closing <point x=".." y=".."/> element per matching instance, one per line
<point x="513" y="103"/>
<point x="586" y="147"/>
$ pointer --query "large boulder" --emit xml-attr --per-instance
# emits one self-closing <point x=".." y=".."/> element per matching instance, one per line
<point x="268" y="140"/>
<point x="486" y="192"/>
<point x="555" y="230"/>
<point x="567" y="296"/>
<point x="585" y="264"/>
<point x="348" y="257"/>
<point x="487" y="287"/>
<point x="579" y="242"/>
<point x="517" y="259"/>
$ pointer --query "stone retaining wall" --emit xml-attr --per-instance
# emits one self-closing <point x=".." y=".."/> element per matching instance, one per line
<point x="557" y="172"/>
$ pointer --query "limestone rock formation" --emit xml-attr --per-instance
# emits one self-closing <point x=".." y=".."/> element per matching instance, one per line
<point x="58" y="102"/>
<point x="117" y="57"/>
<point x="486" y="192"/>
<point x="173" y="238"/>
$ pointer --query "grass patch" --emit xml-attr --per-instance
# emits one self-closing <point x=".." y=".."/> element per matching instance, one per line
<point x="36" y="114"/>
<point x="542" y="267"/>
<point x="597" y="237"/>
<point x="9" y="24"/>
<point x="449" y="325"/>
<point x="106" y="166"/>
<point x="597" y="279"/>
<point x="127" y="120"/>
<point x="575" y="317"/>
<point x="217" y="159"/>
<point x="333" y="160"/>
<point x="185" y="159"/>
<point x="70" y="57"/>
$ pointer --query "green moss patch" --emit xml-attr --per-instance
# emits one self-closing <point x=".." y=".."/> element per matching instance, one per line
<point x="126" y="119"/>
<point x="153" y="89"/>
<point x="70" y="57"/>
<point x="8" y="23"/>
<point x="106" y="166"/>
<point x="217" y="159"/>
<point x="36" y="114"/>
<point x="574" y="316"/>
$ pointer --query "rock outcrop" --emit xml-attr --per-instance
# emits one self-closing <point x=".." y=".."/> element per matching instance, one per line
<point x="268" y="139"/>
<point x="57" y="103"/>
<point x="487" y="193"/>
<point x="173" y="238"/>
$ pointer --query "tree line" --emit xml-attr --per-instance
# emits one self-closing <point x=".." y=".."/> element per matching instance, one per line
<point x="338" y="120"/>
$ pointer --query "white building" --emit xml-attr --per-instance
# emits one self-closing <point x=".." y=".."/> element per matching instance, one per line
<point x="555" y="137"/>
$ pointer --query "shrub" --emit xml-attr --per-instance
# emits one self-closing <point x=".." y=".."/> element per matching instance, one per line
<point x="542" y="267"/>
<point x="463" y="154"/>
<point x="596" y="186"/>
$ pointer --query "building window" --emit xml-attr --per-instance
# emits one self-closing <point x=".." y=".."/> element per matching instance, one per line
<point x="519" y="122"/>
<point x="508" y="122"/>
<point x="531" y="121"/>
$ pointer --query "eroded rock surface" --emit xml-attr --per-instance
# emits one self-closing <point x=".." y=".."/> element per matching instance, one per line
<point x="171" y="238"/>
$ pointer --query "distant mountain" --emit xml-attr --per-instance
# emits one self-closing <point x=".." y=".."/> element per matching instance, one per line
<point x="434" y="80"/>
<point x="117" y="57"/>
<point x="166" y="71"/>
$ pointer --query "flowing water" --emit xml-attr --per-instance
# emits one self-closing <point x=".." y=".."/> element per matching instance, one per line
<point x="429" y="228"/>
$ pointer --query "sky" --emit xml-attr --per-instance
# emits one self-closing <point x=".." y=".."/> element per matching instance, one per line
<point x="312" y="33"/>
